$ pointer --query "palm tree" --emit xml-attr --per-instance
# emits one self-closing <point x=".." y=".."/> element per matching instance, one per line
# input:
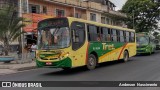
<point x="10" y="26"/>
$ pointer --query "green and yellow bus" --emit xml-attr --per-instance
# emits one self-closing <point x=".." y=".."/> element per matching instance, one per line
<point x="68" y="42"/>
<point x="145" y="43"/>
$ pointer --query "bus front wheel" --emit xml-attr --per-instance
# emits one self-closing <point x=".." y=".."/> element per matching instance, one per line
<point x="92" y="62"/>
<point x="125" y="56"/>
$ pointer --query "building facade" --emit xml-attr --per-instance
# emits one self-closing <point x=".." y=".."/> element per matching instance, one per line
<point x="102" y="11"/>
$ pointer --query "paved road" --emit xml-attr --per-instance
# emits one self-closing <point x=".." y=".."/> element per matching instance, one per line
<point x="139" y="68"/>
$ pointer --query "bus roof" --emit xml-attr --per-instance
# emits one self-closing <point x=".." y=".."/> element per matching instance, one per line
<point x="143" y="33"/>
<point x="100" y="24"/>
<point x="92" y="22"/>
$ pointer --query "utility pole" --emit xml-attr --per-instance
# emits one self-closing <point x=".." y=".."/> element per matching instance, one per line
<point x="74" y="11"/>
<point x="22" y="36"/>
<point x="133" y="20"/>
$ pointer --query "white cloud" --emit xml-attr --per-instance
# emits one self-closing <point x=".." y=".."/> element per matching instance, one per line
<point x="118" y="3"/>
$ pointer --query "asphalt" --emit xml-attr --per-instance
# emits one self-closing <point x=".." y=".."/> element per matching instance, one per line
<point x="138" y="68"/>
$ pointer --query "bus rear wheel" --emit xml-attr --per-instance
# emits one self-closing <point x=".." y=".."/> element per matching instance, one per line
<point x="125" y="56"/>
<point x="92" y="62"/>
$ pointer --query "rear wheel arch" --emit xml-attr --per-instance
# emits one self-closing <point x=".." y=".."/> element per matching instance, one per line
<point x="95" y="54"/>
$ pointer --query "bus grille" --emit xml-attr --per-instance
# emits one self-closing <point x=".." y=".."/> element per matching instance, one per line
<point x="49" y="58"/>
<point x="140" y="50"/>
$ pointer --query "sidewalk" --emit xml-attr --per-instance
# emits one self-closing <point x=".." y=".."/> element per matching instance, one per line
<point x="15" y="66"/>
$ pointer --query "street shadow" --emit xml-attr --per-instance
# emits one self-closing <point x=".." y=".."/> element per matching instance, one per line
<point x="83" y="69"/>
<point x="112" y="63"/>
<point x="67" y="72"/>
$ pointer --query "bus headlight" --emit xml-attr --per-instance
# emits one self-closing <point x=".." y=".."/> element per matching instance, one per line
<point x="63" y="56"/>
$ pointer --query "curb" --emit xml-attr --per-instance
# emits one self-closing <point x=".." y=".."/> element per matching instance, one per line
<point x="5" y="67"/>
<point x="26" y="68"/>
<point x="18" y="68"/>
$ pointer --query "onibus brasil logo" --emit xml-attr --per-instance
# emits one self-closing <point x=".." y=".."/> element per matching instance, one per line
<point x="20" y="84"/>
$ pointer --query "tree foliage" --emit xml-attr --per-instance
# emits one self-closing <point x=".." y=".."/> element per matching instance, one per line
<point x="142" y="14"/>
<point x="10" y="26"/>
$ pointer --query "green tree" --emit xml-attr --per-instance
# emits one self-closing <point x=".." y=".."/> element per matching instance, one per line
<point x="142" y="14"/>
<point x="10" y="26"/>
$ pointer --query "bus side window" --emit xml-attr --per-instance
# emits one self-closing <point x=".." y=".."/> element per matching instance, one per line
<point x="132" y="37"/>
<point x="109" y="35"/>
<point x="122" y="39"/>
<point x="127" y="36"/>
<point x="114" y="35"/>
<point x="93" y="33"/>
<point x="99" y="33"/>
<point x="124" y="33"/>
<point x="105" y="34"/>
<point x="118" y="36"/>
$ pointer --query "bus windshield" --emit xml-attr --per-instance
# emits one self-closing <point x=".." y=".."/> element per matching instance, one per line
<point x="143" y="40"/>
<point x="53" y="38"/>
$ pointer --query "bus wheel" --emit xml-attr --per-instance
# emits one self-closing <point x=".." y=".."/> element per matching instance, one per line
<point x="125" y="56"/>
<point x="92" y="62"/>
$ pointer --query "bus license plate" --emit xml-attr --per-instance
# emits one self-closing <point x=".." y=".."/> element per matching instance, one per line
<point x="48" y="63"/>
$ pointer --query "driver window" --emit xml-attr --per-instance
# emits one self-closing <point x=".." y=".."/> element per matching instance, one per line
<point x="78" y="35"/>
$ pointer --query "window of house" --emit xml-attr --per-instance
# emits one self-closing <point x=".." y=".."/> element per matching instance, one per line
<point x="92" y="16"/>
<point x="44" y="10"/>
<point x="34" y="8"/>
<point x="24" y="6"/>
<point x="111" y="22"/>
<point x="77" y="15"/>
<point x="60" y="13"/>
<point x="93" y="33"/>
<point x="103" y="20"/>
<point x="107" y="20"/>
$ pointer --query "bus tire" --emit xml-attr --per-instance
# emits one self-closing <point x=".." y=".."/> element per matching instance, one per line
<point x="125" y="56"/>
<point x="91" y="62"/>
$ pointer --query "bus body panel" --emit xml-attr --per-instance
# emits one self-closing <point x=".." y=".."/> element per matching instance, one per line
<point x="111" y="51"/>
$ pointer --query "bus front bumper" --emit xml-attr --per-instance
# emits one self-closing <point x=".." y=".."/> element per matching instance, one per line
<point x="143" y="51"/>
<point x="58" y="64"/>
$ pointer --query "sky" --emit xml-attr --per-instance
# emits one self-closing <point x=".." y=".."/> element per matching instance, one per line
<point x="118" y="3"/>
